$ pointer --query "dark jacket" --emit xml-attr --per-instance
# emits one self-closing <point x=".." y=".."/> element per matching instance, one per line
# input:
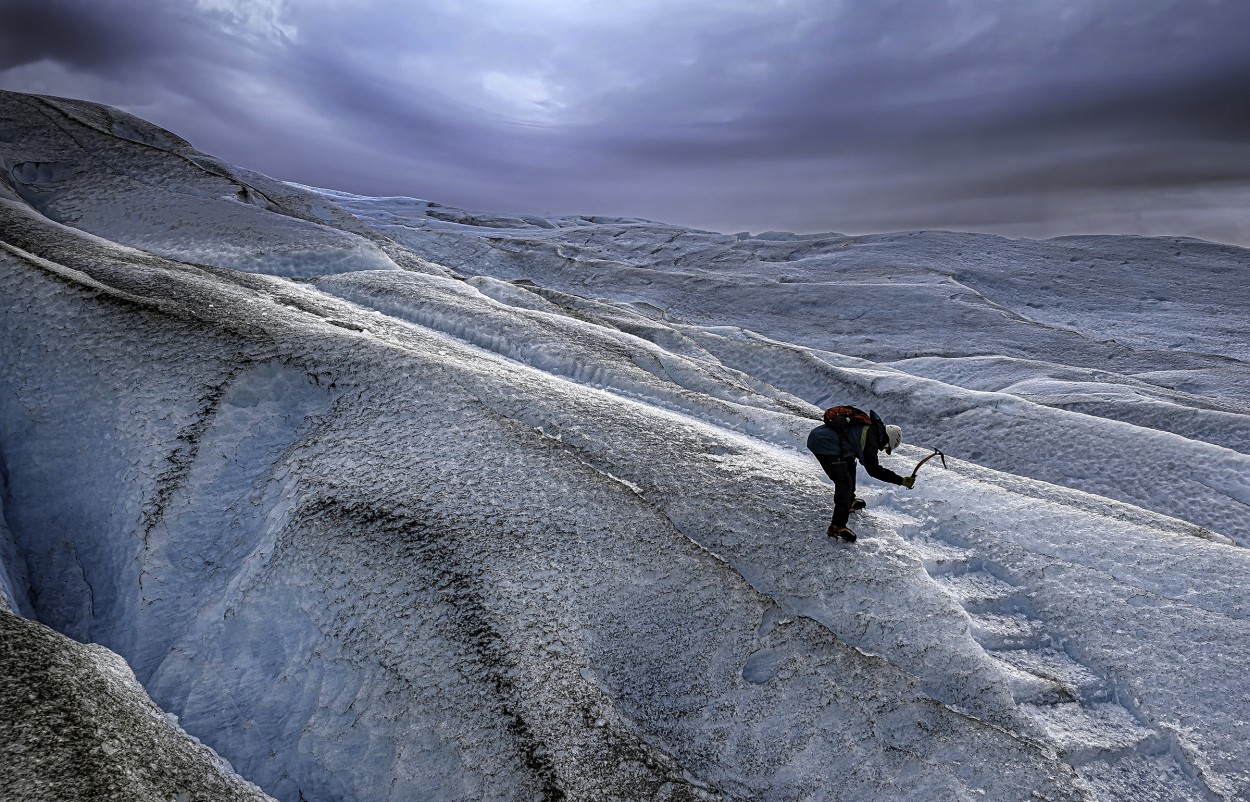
<point x="858" y="442"/>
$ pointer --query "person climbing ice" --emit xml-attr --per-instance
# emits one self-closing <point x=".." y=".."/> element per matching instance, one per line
<point x="846" y="435"/>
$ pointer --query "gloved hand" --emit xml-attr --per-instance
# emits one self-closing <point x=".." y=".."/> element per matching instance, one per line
<point x="909" y="482"/>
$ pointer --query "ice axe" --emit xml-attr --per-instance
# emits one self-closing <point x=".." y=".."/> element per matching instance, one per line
<point x="936" y="453"/>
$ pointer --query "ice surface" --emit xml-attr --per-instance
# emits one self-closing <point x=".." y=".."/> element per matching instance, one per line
<point x="78" y="727"/>
<point x="386" y="500"/>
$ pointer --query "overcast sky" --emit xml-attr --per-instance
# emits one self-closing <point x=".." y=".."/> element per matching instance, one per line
<point x="1024" y="117"/>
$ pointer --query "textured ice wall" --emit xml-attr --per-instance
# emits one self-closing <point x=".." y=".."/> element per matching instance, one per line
<point x="78" y="726"/>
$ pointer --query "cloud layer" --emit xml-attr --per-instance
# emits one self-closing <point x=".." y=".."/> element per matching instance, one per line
<point x="1022" y="118"/>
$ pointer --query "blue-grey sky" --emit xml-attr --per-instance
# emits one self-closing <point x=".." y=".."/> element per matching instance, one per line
<point x="1028" y="117"/>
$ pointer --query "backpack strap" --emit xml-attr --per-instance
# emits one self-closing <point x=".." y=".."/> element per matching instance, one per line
<point x="863" y="441"/>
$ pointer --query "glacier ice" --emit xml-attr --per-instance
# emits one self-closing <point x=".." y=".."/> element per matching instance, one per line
<point x="385" y="500"/>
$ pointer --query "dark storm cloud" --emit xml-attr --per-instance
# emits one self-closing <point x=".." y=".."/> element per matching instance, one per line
<point x="731" y="115"/>
<point x="1046" y="116"/>
<point x="89" y="36"/>
<point x="999" y="89"/>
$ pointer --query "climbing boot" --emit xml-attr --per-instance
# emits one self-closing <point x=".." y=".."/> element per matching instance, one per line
<point x="842" y="532"/>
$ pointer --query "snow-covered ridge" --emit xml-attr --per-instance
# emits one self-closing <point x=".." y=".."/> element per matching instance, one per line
<point x="386" y="500"/>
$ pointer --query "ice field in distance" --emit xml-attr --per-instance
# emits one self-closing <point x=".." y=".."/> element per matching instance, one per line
<point x="380" y="499"/>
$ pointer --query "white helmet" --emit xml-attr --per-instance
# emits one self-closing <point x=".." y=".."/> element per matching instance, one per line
<point x="895" y="436"/>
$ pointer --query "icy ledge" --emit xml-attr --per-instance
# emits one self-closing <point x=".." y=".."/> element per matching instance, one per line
<point x="78" y="726"/>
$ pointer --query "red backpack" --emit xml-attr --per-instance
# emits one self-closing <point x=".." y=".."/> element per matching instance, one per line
<point x="840" y="418"/>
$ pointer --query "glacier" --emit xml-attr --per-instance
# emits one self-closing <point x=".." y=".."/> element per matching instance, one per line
<point x="355" y="498"/>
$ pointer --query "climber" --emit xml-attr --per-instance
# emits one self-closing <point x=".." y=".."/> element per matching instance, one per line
<point x="846" y="435"/>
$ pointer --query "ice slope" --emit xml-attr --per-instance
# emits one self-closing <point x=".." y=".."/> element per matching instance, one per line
<point x="62" y="156"/>
<point x="1158" y="324"/>
<point x="78" y="726"/>
<point x="405" y="527"/>
<point x="399" y="530"/>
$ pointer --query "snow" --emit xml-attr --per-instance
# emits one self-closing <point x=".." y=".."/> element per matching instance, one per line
<point x="388" y="500"/>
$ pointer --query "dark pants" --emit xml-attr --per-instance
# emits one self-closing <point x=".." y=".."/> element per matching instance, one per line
<point x="842" y="471"/>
